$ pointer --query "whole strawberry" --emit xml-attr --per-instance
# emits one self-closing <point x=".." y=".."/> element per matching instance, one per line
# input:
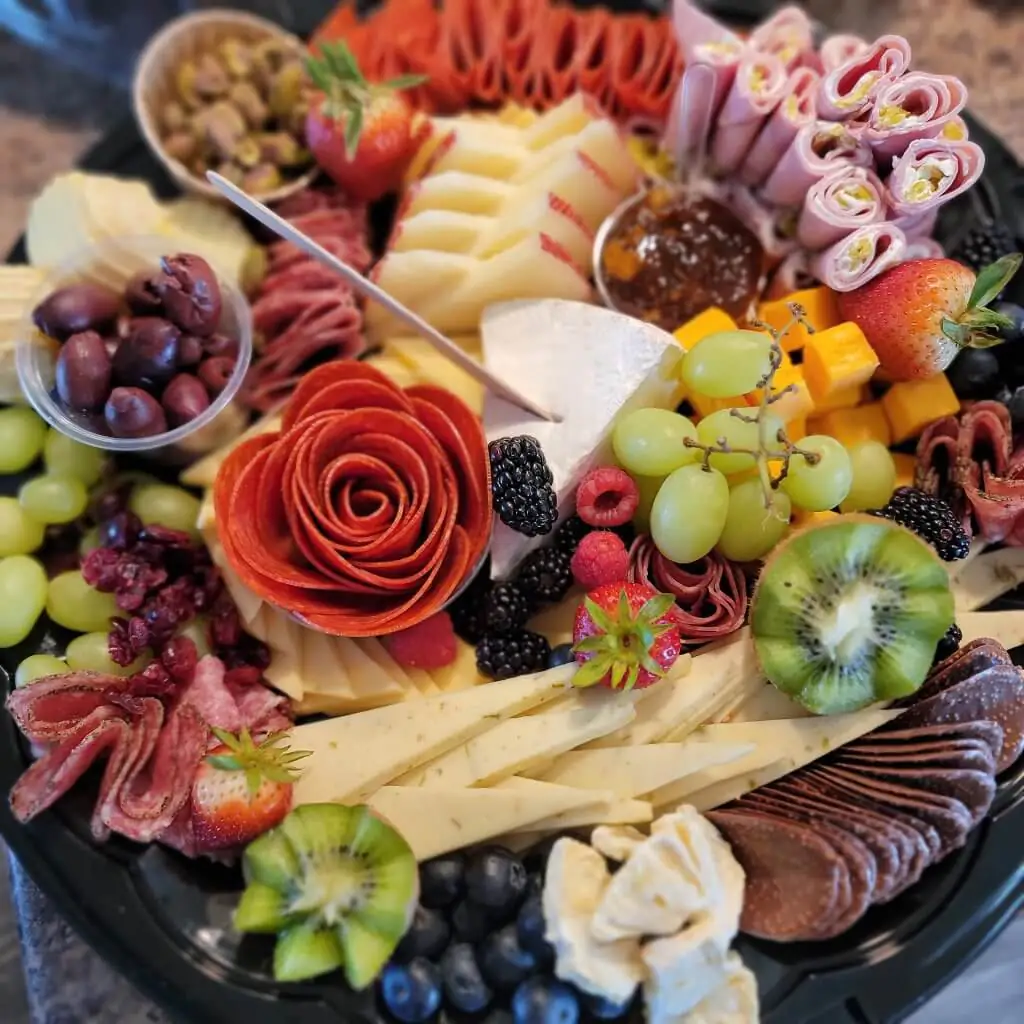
<point x="360" y="133"/>
<point x="623" y="636"/>
<point x="919" y="314"/>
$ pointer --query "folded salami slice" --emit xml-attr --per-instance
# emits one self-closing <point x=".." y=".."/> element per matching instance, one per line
<point x="840" y="49"/>
<point x="916" y="106"/>
<point x="788" y="34"/>
<point x="757" y="89"/>
<point x="815" y="150"/>
<point x="796" y="110"/>
<point x="860" y="257"/>
<point x="850" y="87"/>
<point x="844" y="200"/>
<point x="932" y="172"/>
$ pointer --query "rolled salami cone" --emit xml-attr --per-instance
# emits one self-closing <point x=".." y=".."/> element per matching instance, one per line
<point x="788" y="34"/>
<point x="860" y="257"/>
<point x="851" y="87"/>
<point x="916" y="106"/>
<point x="932" y="172"/>
<point x="844" y="200"/>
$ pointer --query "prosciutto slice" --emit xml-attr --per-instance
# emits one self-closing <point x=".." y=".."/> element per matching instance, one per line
<point x="703" y="40"/>
<point x="860" y="257"/>
<point x="796" y="110"/>
<point x="788" y="35"/>
<point x="850" y="87"/>
<point x="816" y="149"/>
<point x="931" y="172"/>
<point x="757" y="89"/>
<point x="846" y="199"/>
<point x="916" y="106"/>
<point x="838" y="50"/>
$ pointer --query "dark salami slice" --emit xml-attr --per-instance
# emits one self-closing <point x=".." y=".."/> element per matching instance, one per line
<point x="971" y="755"/>
<point x="988" y="732"/>
<point x="971" y="659"/>
<point x="863" y="869"/>
<point x="793" y="875"/>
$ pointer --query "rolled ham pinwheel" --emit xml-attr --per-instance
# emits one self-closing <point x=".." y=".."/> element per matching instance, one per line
<point x="851" y="87"/>
<point x="703" y="40"/>
<point x="773" y="226"/>
<point x="796" y="110"/>
<point x="860" y="257"/>
<point x="689" y="126"/>
<point x="816" y="150"/>
<point x="932" y="172"/>
<point x="788" y="34"/>
<point x="956" y="129"/>
<point x="839" y="49"/>
<point x="844" y="200"/>
<point x="757" y="89"/>
<point x="923" y="249"/>
<point x="792" y="275"/>
<point x="917" y="225"/>
<point x="916" y="106"/>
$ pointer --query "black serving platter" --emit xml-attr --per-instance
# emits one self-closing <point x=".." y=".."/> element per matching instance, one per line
<point x="165" y="921"/>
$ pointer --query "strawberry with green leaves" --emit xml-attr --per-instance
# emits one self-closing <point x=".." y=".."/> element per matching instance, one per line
<point x="361" y="133"/>
<point x="242" y="789"/>
<point x="624" y="637"/>
<point x="920" y="314"/>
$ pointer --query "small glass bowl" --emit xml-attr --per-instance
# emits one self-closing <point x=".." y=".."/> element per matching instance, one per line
<point x="604" y="232"/>
<point x="111" y="263"/>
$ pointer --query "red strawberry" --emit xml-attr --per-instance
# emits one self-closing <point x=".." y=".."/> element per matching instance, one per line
<point x="623" y="636"/>
<point x="242" y="789"/>
<point x="919" y="314"/>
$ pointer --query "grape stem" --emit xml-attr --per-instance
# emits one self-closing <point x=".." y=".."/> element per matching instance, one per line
<point x="764" y="454"/>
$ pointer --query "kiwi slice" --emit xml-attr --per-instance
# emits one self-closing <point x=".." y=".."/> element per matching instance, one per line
<point x="338" y="887"/>
<point x="849" y="612"/>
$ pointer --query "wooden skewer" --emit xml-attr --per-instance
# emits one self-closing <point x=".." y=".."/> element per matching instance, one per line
<point x="365" y="287"/>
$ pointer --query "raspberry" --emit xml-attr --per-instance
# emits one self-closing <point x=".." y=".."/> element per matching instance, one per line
<point x="600" y="558"/>
<point x="429" y="644"/>
<point x="606" y="497"/>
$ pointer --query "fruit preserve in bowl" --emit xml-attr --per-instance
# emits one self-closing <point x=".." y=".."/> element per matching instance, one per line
<point x="132" y="346"/>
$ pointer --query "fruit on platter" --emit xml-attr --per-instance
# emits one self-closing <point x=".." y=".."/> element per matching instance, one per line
<point x="931" y="519"/>
<point x="918" y="315"/>
<point x="727" y="363"/>
<point x="873" y="477"/>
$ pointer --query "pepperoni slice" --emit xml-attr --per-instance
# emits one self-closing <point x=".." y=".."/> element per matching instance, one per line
<point x="367" y="511"/>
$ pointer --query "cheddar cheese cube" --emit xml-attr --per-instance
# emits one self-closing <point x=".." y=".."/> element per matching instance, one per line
<point x="905" y="467"/>
<point x="852" y="426"/>
<point x="796" y="405"/>
<point x="844" y="398"/>
<point x="837" y="359"/>
<point x="802" y="518"/>
<point x="821" y="313"/>
<point x="796" y="429"/>
<point x="911" y="405"/>
<point x="705" y="406"/>
<point x="711" y="321"/>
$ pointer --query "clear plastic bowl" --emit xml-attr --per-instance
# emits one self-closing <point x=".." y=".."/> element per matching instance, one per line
<point x="112" y="262"/>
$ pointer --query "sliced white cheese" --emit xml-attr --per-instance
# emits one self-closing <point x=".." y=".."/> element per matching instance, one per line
<point x="323" y="671"/>
<point x="247" y="603"/>
<point x="204" y="472"/>
<point x="284" y="673"/>
<point x="768" y="703"/>
<point x="461" y="674"/>
<point x="585" y="363"/>
<point x="283" y="632"/>
<point x="610" y="811"/>
<point x="354" y="755"/>
<point x="986" y="577"/>
<point x="376" y="652"/>
<point x="556" y="621"/>
<point x="370" y="683"/>
<point x="1006" y="627"/>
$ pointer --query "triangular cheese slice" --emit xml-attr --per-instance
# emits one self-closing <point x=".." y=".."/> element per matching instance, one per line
<point x="461" y="674"/>
<point x="284" y="673"/>
<point x="767" y="704"/>
<point x="986" y="577"/>
<point x="584" y="363"/>
<point x="1006" y="627"/>
<point x="608" y="811"/>
<point x="283" y="632"/>
<point x="555" y="622"/>
<point x="374" y="650"/>
<point x="353" y="756"/>
<point x="323" y="671"/>
<point x="370" y="683"/>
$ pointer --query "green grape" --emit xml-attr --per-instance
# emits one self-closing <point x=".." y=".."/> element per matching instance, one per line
<point x="823" y="485"/>
<point x="751" y="530"/>
<point x="90" y="541"/>
<point x="21" y="438"/>
<point x="72" y="603"/>
<point x="163" y="505"/>
<point x="38" y="666"/>
<point x="651" y="442"/>
<point x="727" y="363"/>
<point x="90" y="653"/>
<point x="22" y="597"/>
<point x="198" y="631"/>
<point x="648" y="486"/>
<point x="689" y="512"/>
<point x="738" y="433"/>
<point x="70" y="458"/>
<point x="54" y="499"/>
<point x="874" y="477"/>
<point x="20" y="534"/>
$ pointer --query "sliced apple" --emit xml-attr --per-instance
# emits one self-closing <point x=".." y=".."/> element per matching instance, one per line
<point x="548" y="214"/>
<point x="568" y="118"/>
<point x="440" y="230"/>
<point x="578" y="180"/>
<point x="479" y="147"/>
<point x="456" y="190"/>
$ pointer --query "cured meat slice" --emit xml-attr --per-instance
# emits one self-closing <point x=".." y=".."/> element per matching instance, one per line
<point x="692" y="119"/>
<point x="851" y="87"/>
<point x="211" y="698"/>
<point x="845" y="199"/>
<point x="936" y="469"/>
<point x="50" y="710"/>
<point x="788" y="35"/>
<point x="969" y="660"/>
<point x="974" y="789"/>
<point x="840" y="49"/>
<point x="704" y="40"/>
<point x="986" y="732"/>
<point x="771" y="225"/>
<point x="860" y="257"/>
<point x="916" y="106"/>
<point x="931" y="172"/>
<point x="970" y="754"/>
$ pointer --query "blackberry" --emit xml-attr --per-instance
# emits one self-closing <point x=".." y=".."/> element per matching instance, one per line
<point x="570" y="533"/>
<point x="949" y="644"/>
<point x="469" y="608"/>
<point x="931" y="519"/>
<point x="544" y="575"/>
<point x="506" y="609"/>
<point x="984" y="245"/>
<point x="515" y="654"/>
<point x="521" y="486"/>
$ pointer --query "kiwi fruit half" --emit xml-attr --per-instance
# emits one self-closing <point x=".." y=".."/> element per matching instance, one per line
<point x="338" y="887"/>
<point x="849" y="612"/>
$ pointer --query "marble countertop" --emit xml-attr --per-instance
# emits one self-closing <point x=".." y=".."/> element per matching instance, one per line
<point x="49" y="115"/>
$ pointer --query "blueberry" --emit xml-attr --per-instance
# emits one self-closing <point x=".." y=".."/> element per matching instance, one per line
<point x="975" y="373"/>
<point x="412" y="991"/>
<point x="560" y="655"/>
<point x="496" y="879"/>
<point x="545" y="1001"/>
<point x="503" y="960"/>
<point x="471" y="922"/>
<point x="1015" y="314"/>
<point x="530" y="931"/>
<point x="604" y="1009"/>
<point x="442" y="881"/>
<point x="427" y="936"/>
<point x="1016" y="407"/>
<point x="464" y="986"/>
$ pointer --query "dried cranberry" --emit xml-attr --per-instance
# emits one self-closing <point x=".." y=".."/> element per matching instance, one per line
<point x="138" y="634"/>
<point x="153" y="681"/>
<point x="136" y="580"/>
<point x="120" y="530"/>
<point x="100" y="569"/>
<point x="225" y="625"/>
<point x="119" y="646"/>
<point x="243" y="675"/>
<point x="180" y="656"/>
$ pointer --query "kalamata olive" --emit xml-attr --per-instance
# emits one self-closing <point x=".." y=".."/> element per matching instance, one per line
<point x="190" y="293"/>
<point x="76" y="308"/>
<point x="184" y="399"/>
<point x="190" y="350"/>
<point x="215" y="373"/>
<point x="148" y="357"/>
<point x="132" y="412"/>
<point x="221" y="345"/>
<point x="82" y="373"/>
<point x="142" y="294"/>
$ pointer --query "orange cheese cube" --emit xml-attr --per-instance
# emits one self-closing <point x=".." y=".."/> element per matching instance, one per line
<point x="844" y="398"/>
<point x="819" y="306"/>
<point x="796" y="405"/>
<point x="796" y="429"/>
<point x="802" y="518"/>
<point x="905" y="467"/>
<point x="852" y="426"/>
<point x="711" y="321"/>
<point x="836" y="359"/>
<point x="705" y="406"/>
<point x="911" y="405"/>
